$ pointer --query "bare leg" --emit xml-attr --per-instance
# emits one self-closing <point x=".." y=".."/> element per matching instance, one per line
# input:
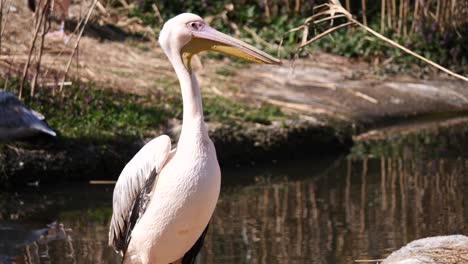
<point x="59" y="33"/>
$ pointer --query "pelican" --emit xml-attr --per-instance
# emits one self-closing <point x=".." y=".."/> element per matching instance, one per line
<point x="59" y="7"/>
<point x="164" y="199"/>
<point x="17" y="121"/>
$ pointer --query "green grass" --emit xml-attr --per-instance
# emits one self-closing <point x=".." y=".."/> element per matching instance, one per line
<point x="222" y="110"/>
<point x="86" y="111"/>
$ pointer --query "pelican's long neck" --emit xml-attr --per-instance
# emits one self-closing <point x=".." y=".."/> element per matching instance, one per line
<point x="192" y="122"/>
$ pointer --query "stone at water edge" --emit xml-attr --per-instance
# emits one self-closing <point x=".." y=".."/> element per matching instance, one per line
<point x="438" y="249"/>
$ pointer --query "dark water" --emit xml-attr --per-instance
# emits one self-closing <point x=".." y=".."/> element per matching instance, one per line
<point x="313" y="211"/>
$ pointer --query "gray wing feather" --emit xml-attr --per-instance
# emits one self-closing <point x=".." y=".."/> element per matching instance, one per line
<point x="138" y="209"/>
<point x="131" y="185"/>
<point x="15" y="115"/>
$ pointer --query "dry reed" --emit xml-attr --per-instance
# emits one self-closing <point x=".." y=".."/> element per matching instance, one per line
<point x="334" y="9"/>
<point x="90" y="11"/>
<point x="45" y="28"/>
<point x="40" y="17"/>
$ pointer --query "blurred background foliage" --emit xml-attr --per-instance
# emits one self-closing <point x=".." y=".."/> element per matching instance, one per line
<point x="436" y="29"/>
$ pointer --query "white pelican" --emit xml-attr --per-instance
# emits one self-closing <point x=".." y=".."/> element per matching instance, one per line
<point x="17" y="121"/>
<point x="58" y="7"/>
<point x="164" y="199"/>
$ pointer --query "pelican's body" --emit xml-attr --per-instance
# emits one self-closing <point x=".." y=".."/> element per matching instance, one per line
<point x="17" y="121"/>
<point x="164" y="198"/>
<point x="184" y="201"/>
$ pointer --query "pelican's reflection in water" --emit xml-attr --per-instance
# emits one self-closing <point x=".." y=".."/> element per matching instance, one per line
<point x="291" y="213"/>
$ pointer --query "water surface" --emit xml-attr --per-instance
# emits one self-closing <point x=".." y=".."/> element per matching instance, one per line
<point x="335" y="210"/>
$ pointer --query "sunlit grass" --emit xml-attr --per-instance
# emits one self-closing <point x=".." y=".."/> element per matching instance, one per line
<point x="86" y="111"/>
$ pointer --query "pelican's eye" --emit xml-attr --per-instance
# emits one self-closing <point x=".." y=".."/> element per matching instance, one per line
<point x="196" y="25"/>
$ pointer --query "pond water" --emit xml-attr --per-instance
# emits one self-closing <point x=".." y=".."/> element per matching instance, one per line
<point x="335" y="210"/>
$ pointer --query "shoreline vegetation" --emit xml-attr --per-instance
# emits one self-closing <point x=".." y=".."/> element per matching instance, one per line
<point x="99" y="130"/>
<point x="104" y="110"/>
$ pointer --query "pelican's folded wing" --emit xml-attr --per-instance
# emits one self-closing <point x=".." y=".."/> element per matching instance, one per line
<point x="131" y="190"/>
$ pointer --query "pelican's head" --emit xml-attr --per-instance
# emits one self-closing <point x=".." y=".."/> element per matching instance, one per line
<point x="187" y="34"/>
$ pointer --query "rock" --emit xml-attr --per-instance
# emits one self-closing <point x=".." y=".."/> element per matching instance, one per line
<point x="438" y="249"/>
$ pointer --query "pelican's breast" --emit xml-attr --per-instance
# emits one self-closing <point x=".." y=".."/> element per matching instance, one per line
<point x="184" y="199"/>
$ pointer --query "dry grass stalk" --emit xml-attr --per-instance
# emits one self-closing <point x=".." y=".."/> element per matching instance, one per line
<point x="400" y="17"/>
<point x="334" y="9"/>
<point x="364" y="17"/>
<point x="124" y="4"/>
<point x="258" y="39"/>
<point x="382" y="15"/>
<point x="405" y="17"/>
<point x="267" y="10"/>
<point x="90" y="11"/>
<point x="223" y="16"/>
<point x="62" y="50"/>
<point x="41" y="18"/>
<point x="286" y="5"/>
<point x="415" y="17"/>
<point x="389" y="14"/>
<point x="3" y="23"/>
<point x="1" y="19"/>
<point x="45" y="29"/>
<point x="297" y="6"/>
<point x="325" y="33"/>
<point x="158" y="14"/>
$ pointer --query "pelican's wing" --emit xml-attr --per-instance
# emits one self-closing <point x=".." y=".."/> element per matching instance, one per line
<point x="131" y="192"/>
<point x="14" y="114"/>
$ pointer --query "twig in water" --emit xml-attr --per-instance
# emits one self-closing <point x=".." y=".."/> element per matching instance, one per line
<point x="101" y="182"/>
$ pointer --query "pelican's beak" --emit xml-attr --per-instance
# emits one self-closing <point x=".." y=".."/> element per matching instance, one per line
<point x="208" y="38"/>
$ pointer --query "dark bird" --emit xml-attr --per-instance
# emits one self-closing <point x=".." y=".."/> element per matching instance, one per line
<point x="18" y="121"/>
